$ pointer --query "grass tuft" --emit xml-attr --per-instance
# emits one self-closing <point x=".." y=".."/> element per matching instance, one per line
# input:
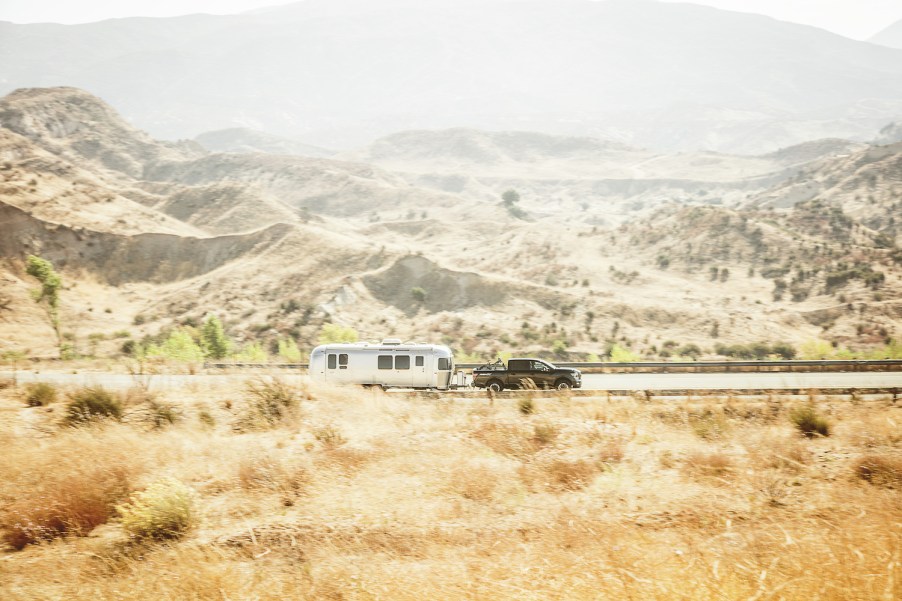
<point x="92" y="404"/>
<point x="880" y="470"/>
<point x="164" y="510"/>
<point x="270" y="402"/>
<point x="40" y="394"/>
<point x="709" y="464"/>
<point x="809" y="422"/>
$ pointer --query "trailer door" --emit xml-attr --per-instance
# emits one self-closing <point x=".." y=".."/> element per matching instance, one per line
<point x="422" y="370"/>
<point x="404" y="372"/>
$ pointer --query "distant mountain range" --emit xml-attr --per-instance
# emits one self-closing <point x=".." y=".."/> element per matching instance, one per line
<point x="339" y="74"/>
<point x="891" y="36"/>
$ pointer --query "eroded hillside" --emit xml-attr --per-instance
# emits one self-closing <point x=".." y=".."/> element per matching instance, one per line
<point x="626" y="246"/>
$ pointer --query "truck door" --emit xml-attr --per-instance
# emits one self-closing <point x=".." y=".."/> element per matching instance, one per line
<point x="517" y="371"/>
<point x="541" y="374"/>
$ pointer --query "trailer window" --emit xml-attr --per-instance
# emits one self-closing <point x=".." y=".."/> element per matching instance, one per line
<point x="332" y="361"/>
<point x="444" y="364"/>
<point x="419" y="361"/>
<point x="384" y="361"/>
<point x="402" y="362"/>
<point x="343" y="360"/>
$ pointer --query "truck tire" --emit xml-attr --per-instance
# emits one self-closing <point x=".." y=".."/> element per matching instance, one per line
<point x="563" y="384"/>
<point x="495" y="386"/>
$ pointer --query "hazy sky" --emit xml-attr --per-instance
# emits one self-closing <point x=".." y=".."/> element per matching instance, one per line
<point x="858" y="19"/>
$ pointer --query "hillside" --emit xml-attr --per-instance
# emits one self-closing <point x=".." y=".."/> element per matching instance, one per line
<point x="244" y="140"/>
<point x="865" y="185"/>
<point x="241" y="233"/>
<point x="277" y="246"/>
<point x="340" y="74"/>
<point x="604" y="182"/>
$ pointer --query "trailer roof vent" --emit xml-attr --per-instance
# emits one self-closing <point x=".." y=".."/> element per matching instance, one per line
<point x="392" y="341"/>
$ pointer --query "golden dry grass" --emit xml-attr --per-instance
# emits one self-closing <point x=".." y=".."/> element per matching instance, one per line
<point x="365" y="495"/>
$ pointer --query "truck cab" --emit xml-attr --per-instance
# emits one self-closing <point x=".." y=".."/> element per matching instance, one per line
<point x="525" y="373"/>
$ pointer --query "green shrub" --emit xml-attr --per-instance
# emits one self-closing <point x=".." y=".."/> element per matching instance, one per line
<point x="92" y="403"/>
<point x="164" y="510"/>
<point x="40" y="394"/>
<point x="809" y="422"/>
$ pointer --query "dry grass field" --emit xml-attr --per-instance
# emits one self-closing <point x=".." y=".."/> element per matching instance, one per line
<point x="285" y="490"/>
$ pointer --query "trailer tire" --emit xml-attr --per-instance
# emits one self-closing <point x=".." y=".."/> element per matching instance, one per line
<point x="563" y="384"/>
<point x="495" y="386"/>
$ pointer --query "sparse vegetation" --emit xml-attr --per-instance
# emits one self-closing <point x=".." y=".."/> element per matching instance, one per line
<point x="408" y="494"/>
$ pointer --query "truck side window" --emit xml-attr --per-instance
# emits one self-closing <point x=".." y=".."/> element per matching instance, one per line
<point x="384" y="362"/>
<point x="518" y="365"/>
<point x="402" y="362"/>
<point x="444" y="364"/>
<point x="332" y="361"/>
<point x="419" y="361"/>
<point x="343" y="361"/>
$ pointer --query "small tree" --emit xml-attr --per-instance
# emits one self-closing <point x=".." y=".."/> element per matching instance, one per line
<point x="288" y="350"/>
<point x="418" y="294"/>
<point x="813" y="350"/>
<point x="213" y="339"/>
<point x="48" y="295"/>
<point x="180" y="346"/>
<point x="623" y="355"/>
<point x="253" y="353"/>
<point x="510" y="197"/>
<point x="335" y="333"/>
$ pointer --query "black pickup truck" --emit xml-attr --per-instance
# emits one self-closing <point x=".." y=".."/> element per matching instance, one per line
<point x="519" y="372"/>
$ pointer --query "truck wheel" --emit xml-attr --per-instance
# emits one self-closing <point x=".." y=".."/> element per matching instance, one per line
<point x="563" y="385"/>
<point x="495" y="386"/>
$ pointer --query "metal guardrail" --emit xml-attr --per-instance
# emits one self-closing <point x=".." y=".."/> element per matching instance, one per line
<point x="661" y="366"/>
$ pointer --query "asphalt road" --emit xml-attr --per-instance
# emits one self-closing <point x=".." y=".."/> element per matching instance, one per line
<point x="741" y="381"/>
<point x="732" y="381"/>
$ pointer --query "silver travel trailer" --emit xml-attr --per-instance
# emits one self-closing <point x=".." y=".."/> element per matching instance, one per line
<point x="389" y="364"/>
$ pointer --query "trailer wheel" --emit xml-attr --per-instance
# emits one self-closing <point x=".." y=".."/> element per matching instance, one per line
<point x="495" y="386"/>
<point x="563" y="385"/>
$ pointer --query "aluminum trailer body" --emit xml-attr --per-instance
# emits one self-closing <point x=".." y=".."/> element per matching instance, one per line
<point x="389" y="364"/>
